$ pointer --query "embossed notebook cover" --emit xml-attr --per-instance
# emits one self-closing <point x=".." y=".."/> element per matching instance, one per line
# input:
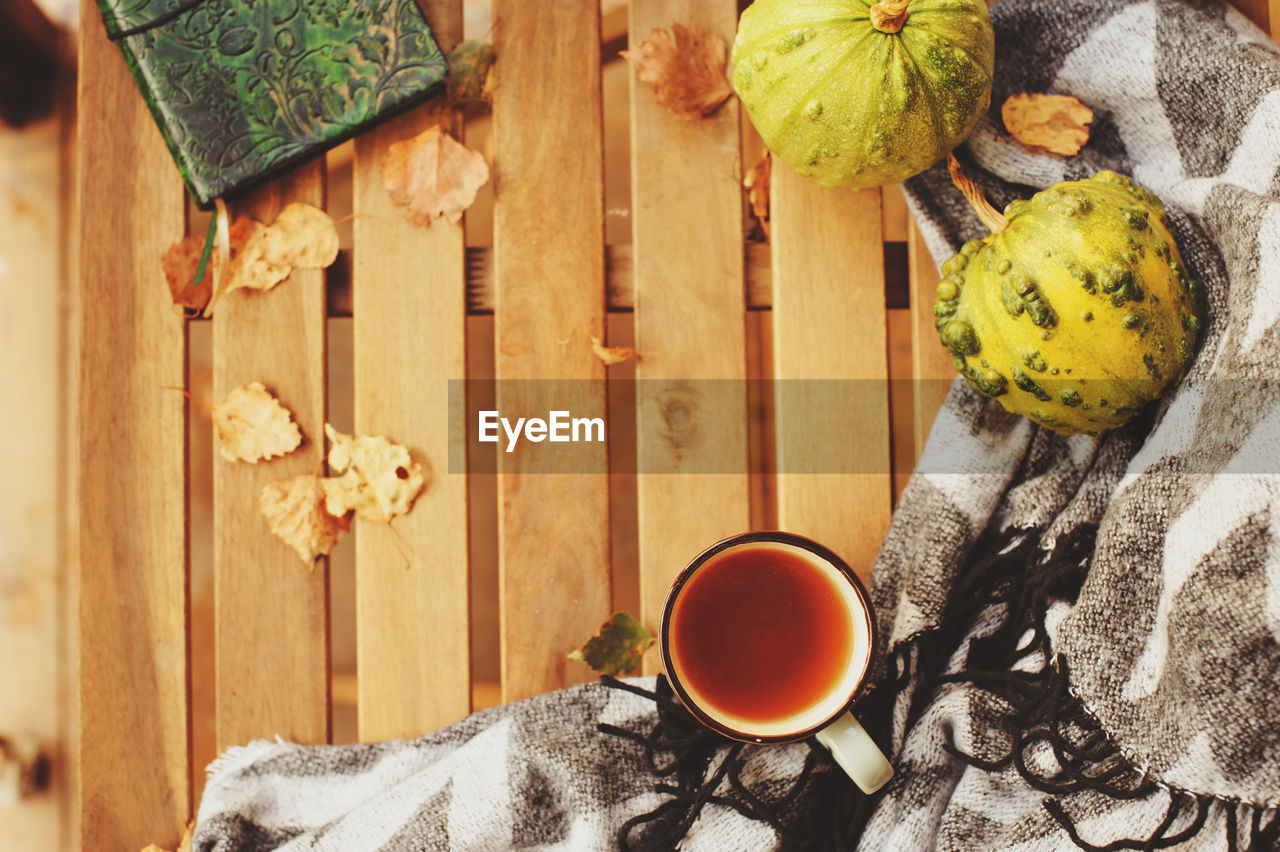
<point x="244" y="88"/>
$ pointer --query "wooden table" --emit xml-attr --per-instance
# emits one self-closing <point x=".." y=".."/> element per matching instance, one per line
<point x="700" y="301"/>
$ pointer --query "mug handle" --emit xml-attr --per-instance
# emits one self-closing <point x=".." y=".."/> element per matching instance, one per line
<point x="857" y="753"/>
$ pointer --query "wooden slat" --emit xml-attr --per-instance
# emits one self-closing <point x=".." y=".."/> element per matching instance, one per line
<point x="830" y="365"/>
<point x="409" y="339"/>
<point x="687" y="235"/>
<point x="549" y="253"/>
<point x="1274" y="18"/>
<point x="134" y="741"/>
<point x="272" y="611"/>
<point x="895" y="214"/>
<point x="931" y="366"/>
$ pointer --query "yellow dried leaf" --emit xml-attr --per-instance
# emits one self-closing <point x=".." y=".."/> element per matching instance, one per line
<point x="757" y="186"/>
<point x="294" y="508"/>
<point x="433" y="175"/>
<point x="250" y="268"/>
<point x="252" y="425"/>
<point x="686" y="67"/>
<point x="377" y="478"/>
<point x="302" y="237"/>
<point x="1056" y="123"/>
<point x="612" y="354"/>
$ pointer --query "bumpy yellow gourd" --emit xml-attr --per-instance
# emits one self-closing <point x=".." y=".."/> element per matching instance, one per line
<point x="1079" y="312"/>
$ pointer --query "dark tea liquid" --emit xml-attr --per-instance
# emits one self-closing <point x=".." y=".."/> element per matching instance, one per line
<point x="760" y="633"/>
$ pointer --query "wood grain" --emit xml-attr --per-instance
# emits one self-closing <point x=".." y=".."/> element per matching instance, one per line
<point x="830" y="366"/>
<point x="931" y="366"/>
<point x="272" y="611"/>
<point x="687" y="233"/>
<point x="134" y="741"/>
<point x="895" y="213"/>
<point x="549" y="250"/>
<point x="409" y="339"/>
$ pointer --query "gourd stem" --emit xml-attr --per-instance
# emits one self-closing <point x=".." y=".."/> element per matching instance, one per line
<point x="990" y="216"/>
<point x="888" y="16"/>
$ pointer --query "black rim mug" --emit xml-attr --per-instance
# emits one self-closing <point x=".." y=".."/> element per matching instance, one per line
<point x="828" y="719"/>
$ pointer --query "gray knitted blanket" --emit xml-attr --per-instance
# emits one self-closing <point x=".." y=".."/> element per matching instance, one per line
<point x="1083" y="636"/>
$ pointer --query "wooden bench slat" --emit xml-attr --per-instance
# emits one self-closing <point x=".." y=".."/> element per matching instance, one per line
<point x="409" y="340"/>
<point x="549" y="252"/>
<point x="272" y="611"/>
<point x="687" y="234"/>
<point x="930" y="363"/>
<point x="830" y="365"/>
<point x="134" y="743"/>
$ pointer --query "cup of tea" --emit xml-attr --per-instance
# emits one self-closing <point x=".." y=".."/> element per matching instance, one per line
<point x="768" y="637"/>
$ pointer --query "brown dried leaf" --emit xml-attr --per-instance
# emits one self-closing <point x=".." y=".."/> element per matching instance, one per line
<point x="433" y="175"/>
<point x="252" y="425"/>
<point x="757" y="187"/>
<point x="612" y="354"/>
<point x="686" y="67"/>
<point x="294" y="508"/>
<point x="302" y="237"/>
<point x="1055" y="123"/>
<point x="182" y="258"/>
<point x="377" y="478"/>
<point x="180" y="261"/>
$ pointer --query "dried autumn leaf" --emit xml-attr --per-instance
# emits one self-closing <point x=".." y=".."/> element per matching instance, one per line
<point x="470" y="73"/>
<point x="179" y="262"/>
<point x="757" y="186"/>
<point x="302" y="237"/>
<point x="250" y="268"/>
<point x="612" y="354"/>
<point x="377" y="478"/>
<point x="1057" y="123"/>
<point x="433" y="175"/>
<point x="182" y="258"/>
<point x="294" y="508"/>
<point x="686" y="67"/>
<point x="617" y="648"/>
<point x="252" y="425"/>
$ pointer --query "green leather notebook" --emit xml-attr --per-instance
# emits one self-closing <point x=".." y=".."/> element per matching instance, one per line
<point x="242" y="89"/>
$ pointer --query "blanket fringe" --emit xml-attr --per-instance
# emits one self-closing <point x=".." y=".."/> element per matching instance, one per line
<point x="1044" y="713"/>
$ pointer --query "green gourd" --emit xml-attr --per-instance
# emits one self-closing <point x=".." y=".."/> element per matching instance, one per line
<point x="1076" y="310"/>
<point x="860" y="94"/>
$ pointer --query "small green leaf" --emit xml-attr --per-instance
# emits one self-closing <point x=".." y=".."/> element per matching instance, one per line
<point x="468" y="79"/>
<point x="617" y="648"/>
